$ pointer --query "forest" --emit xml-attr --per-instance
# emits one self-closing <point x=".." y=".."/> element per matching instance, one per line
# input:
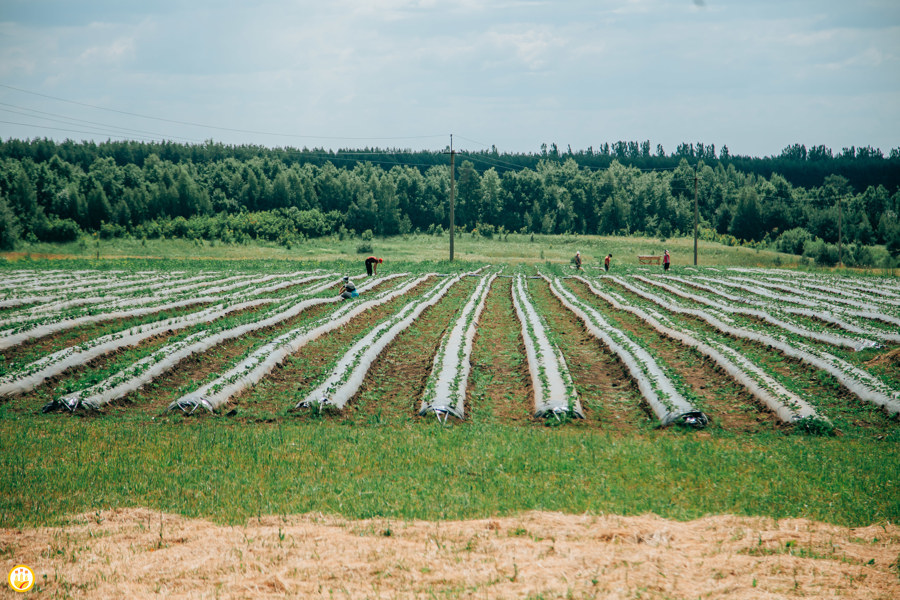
<point x="803" y="201"/>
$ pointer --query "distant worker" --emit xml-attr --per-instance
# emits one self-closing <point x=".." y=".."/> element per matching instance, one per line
<point x="348" y="290"/>
<point x="372" y="265"/>
<point x="578" y="260"/>
<point x="666" y="260"/>
<point x="606" y="261"/>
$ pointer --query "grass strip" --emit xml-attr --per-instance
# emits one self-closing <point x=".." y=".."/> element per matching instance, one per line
<point x="229" y="472"/>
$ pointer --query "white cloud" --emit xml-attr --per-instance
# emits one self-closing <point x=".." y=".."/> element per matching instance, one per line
<point x="518" y="72"/>
<point x="113" y="52"/>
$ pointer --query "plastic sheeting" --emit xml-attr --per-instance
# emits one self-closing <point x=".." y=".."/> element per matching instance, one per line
<point x="445" y="390"/>
<point x="554" y="391"/>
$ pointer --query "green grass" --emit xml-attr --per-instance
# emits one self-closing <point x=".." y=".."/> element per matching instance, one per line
<point x="51" y="468"/>
<point x="509" y="249"/>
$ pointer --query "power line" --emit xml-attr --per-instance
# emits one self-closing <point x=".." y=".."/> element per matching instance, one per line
<point x="215" y="127"/>
<point x="58" y="128"/>
<point x="102" y="128"/>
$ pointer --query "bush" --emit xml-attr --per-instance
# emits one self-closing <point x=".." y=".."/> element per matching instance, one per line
<point x="109" y="231"/>
<point x="858" y="255"/>
<point x="793" y="241"/>
<point x="825" y="255"/>
<point x="364" y="248"/>
<point x="485" y="230"/>
<point x="59" y="230"/>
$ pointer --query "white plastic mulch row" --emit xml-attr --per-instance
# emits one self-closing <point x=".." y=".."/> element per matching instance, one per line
<point x="812" y="308"/>
<point x="66" y="297"/>
<point x="127" y="309"/>
<point x="554" y="391"/>
<point x="864" y="385"/>
<point x="347" y="376"/>
<point x="261" y="361"/>
<point x="820" y="336"/>
<point x="872" y="299"/>
<point x="669" y="405"/>
<point x="42" y="369"/>
<point x="165" y="358"/>
<point x="785" y="404"/>
<point x="445" y="389"/>
<point x="868" y="311"/>
<point x="829" y="298"/>
<point x="40" y="319"/>
<point x="874" y="289"/>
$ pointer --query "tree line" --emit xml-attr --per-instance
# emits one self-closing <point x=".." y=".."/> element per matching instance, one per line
<point x="55" y="191"/>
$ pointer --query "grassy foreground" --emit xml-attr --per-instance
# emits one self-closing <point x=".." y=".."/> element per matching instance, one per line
<point x="53" y="468"/>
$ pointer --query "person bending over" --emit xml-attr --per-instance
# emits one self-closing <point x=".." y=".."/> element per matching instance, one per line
<point x="372" y="265"/>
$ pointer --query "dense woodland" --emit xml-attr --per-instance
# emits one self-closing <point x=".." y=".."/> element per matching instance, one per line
<point x="801" y="201"/>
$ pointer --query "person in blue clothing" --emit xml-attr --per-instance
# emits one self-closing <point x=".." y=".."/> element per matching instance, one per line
<point x="348" y="290"/>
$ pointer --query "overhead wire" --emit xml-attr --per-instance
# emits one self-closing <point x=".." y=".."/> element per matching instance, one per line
<point x="337" y="156"/>
<point x="100" y="127"/>
<point x="215" y="127"/>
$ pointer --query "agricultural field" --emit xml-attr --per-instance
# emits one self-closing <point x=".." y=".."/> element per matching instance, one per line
<point x="236" y="390"/>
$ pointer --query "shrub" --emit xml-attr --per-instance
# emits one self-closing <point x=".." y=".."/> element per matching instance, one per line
<point x="793" y="241"/>
<point x="824" y="254"/>
<point x="485" y="230"/>
<point x="59" y="230"/>
<point x="109" y="231"/>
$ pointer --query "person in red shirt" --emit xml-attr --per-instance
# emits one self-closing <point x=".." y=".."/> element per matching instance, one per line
<point x="606" y="261"/>
<point x="372" y="265"/>
<point x="666" y="260"/>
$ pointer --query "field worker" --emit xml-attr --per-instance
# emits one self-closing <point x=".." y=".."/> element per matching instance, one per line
<point x="348" y="290"/>
<point x="606" y="261"/>
<point x="578" y="260"/>
<point x="666" y="260"/>
<point x="372" y="265"/>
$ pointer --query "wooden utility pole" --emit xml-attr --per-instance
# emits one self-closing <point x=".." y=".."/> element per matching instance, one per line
<point x="696" y="215"/>
<point x="452" y="194"/>
<point x="840" y="235"/>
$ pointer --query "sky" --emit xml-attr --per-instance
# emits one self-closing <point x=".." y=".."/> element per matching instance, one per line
<point x="755" y="75"/>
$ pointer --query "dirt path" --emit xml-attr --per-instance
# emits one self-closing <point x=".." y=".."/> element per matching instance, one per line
<point x="609" y="396"/>
<point x="727" y="404"/>
<point x="499" y="385"/>
<point x="139" y="553"/>
<point x="284" y="386"/>
<point x="393" y="386"/>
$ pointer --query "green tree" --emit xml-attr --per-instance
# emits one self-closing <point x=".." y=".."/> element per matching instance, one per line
<point x="98" y="208"/>
<point x="746" y="224"/>
<point x="9" y="226"/>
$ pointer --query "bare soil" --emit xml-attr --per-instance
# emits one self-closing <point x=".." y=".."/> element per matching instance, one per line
<point x="298" y="375"/>
<point x="500" y="387"/>
<point x="140" y="553"/>
<point x="823" y="391"/>
<point x="33" y="349"/>
<point x="395" y="383"/>
<point x="609" y="396"/>
<point x="727" y="404"/>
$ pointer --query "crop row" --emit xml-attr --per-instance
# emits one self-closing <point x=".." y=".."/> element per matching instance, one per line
<point x="673" y="307"/>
